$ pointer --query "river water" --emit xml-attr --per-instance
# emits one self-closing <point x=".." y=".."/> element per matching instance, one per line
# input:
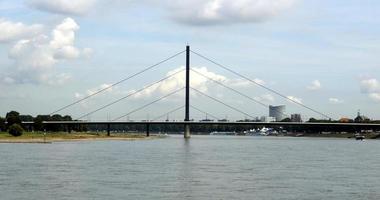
<point x="204" y="167"/>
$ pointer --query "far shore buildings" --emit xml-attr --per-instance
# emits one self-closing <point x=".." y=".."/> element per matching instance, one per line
<point x="278" y="112"/>
<point x="361" y="118"/>
<point x="295" y="118"/>
<point x="267" y="119"/>
<point x="358" y="119"/>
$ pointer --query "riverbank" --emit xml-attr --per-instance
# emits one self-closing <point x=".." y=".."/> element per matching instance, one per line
<point x="38" y="137"/>
<point x="369" y="135"/>
<point x="336" y="135"/>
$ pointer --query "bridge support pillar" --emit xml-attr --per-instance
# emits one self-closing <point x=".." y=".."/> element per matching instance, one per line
<point x="147" y="130"/>
<point x="108" y="129"/>
<point x="187" y="131"/>
<point x="69" y="128"/>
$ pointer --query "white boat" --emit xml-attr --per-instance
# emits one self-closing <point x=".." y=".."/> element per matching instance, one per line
<point x="359" y="137"/>
<point x="257" y="132"/>
<point x="162" y="134"/>
<point x="261" y="132"/>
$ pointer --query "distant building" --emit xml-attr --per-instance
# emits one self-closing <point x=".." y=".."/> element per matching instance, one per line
<point x="361" y="118"/>
<point x="278" y="112"/>
<point x="206" y="120"/>
<point x="345" y="120"/>
<point x="295" y="118"/>
<point x="246" y="120"/>
<point x="267" y="119"/>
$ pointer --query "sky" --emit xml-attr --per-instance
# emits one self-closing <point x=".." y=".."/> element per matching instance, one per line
<point x="321" y="54"/>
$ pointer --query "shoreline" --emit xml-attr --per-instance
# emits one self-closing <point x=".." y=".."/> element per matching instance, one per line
<point x="38" y="137"/>
<point x="54" y="140"/>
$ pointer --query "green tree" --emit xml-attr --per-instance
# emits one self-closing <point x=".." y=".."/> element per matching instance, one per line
<point x="312" y="120"/>
<point x="286" y="120"/>
<point x="15" y="130"/>
<point x="38" y="126"/>
<point x="67" y="118"/>
<point x="2" y="124"/>
<point x="56" y="117"/>
<point x="26" y="118"/>
<point x="13" y="117"/>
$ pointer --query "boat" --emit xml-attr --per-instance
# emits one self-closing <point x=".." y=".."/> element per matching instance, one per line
<point x="162" y="134"/>
<point x="359" y="137"/>
<point x="261" y="132"/>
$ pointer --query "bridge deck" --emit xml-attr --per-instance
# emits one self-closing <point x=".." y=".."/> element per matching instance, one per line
<point x="210" y="123"/>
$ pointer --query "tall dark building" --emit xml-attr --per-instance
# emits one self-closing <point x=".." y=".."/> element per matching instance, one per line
<point x="278" y="112"/>
<point x="295" y="118"/>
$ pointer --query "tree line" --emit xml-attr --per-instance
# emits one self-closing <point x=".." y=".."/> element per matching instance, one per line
<point x="14" y="117"/>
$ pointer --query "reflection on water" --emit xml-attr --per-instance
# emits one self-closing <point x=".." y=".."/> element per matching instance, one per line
<point x="204" y="167"/>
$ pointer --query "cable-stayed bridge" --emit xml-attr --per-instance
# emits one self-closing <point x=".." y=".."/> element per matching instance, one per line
<point x="187" y="88"/>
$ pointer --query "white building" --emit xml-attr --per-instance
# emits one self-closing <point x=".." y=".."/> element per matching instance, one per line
<point x="267" y="119"/>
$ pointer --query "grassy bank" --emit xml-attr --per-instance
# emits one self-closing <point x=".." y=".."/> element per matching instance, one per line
<point x="37" y="137"/>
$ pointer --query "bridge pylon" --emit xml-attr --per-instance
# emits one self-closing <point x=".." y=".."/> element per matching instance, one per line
<point x="186" y="133"/>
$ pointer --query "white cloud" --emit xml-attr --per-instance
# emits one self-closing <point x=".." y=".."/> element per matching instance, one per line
<point x="294" y="99"/>
<point x="335" y="100"/>
<point x="265" y="98"/>
<point x="96" y="89"/>
<point x="64" y="33"/>
<point x="315" y="85"/>
<point x="206" y="12"/>
<point x="375" y="97"/>
<point x="11" y="31"/>
<point x="101" y="87"/>
<point x="239" y="83"/>
<point x="35" y="58"/>
<point x="67" y="52"/>
<point x="32" y="53"/>
<point x="197" y="81"/>
<point x="190" y="12"/>
<point x="259" y="81"/>
<point x="58" y="79"/>
<point x="371" y="87"/>
<point x="76" y="7"/>
<point x="177" y="81"/>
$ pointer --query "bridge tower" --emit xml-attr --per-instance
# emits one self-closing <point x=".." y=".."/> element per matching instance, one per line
<point x="186" y="133"/>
